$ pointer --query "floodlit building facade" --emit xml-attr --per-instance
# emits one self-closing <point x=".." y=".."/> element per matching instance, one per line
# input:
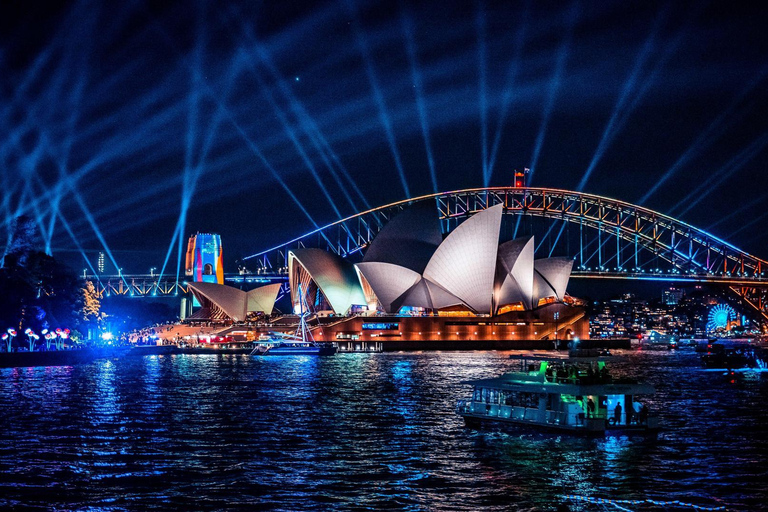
<point x="415" y="287"/>
<point x="466" y="286"/>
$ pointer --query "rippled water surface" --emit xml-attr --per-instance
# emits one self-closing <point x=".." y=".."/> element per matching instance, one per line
<point x="356" y="431"/>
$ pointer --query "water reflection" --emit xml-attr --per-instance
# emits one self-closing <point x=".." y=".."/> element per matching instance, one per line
<point x="104" y="402"/>
<point x="351" y="431"/>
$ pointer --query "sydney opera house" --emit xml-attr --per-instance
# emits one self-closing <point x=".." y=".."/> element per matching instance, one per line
<point x="414" y="287"/>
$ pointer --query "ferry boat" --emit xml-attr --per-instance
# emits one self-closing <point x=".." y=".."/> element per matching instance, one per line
<point x="567" y="395"/>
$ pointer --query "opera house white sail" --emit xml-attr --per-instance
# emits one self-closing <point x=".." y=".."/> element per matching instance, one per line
<point x="408" y="240"/>
<point x="313" y="270"/>
<point x="390" y="282"/>
<point x="514" y="274"/>
<point x="551" y="278"/>
<point x="465" y="263"/>
<point x="225" y="302"/>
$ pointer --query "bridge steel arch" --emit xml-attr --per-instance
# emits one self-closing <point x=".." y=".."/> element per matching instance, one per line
<point x="613" y="240"/>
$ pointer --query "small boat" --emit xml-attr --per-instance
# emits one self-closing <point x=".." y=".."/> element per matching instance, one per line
<point x="300" y="348"/>
<point x="721" y="355"/>
<point x="279" y="344"/>
<point x="266" y="342"/>
<point x="660" y="341"/>
<point x="564" y="395"/>
<point x="300" y="344"/>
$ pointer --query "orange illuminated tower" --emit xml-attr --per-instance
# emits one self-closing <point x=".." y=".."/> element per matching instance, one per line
<point x="205" y="259"/>
<point x="521" y="178"/>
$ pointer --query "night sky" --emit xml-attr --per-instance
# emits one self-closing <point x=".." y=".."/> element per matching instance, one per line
<point x="125" y="123"/>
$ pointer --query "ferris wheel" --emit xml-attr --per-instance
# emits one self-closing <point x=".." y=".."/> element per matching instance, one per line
<point x="720" y="317"/>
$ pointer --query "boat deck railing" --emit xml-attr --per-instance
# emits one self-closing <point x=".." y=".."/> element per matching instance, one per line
<point x="513" y="412"/>
<point x="533" y="414"/>
<point x="584" y="379"/>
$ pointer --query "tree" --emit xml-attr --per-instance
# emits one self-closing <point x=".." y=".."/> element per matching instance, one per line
<point x="36" y="291"/>
<point x="91" y="304"/>
<point x="24" y="241"/>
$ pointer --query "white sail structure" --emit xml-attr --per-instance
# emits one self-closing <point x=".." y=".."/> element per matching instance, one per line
<point x="514" y="282"/>
<point x="469" y="268"/>
<point x="312" y="269"/>
<point x="465" y="263"/>
<point x="551" y="277"/>
<point x="224" y="301"/>
<point x="408" y="240"/>
<point x="389" y="282"/>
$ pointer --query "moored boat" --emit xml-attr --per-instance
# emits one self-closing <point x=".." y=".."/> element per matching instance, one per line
<point x="568" y="395"/>
<point x="300" y="348"/>
<point x="300" y="344"/>
<point x="292" y="345"/>
<point x="724" y="354"/>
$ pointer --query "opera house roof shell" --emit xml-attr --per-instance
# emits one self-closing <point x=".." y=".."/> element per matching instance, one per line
<point x="336" y="278"/>
<point x="225" y="302"/>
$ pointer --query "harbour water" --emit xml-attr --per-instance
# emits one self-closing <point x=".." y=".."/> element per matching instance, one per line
<point x="357" y="431"/>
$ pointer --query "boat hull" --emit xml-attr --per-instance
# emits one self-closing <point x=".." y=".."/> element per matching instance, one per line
<point x="591" y="429"/>
<point x="300" y="351"/>
<point x="595" y="428"/>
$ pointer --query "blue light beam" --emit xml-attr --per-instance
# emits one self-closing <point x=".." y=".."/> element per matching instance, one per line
<point x="482" y="92"/>
<point x="554" y="85"/>
<point x="509" y="89"/>
<point x="615" y="123"/>
<point x="378" y="95"/>
<point x="708" y="136"/>
<point x="407" y="26"/>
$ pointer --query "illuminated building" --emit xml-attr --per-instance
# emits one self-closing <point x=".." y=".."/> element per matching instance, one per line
<point x="409" y="266"/>
<point x="671" y="296"/>
<point x="100" y="262"/>
<point x="413" y="285"/>
<point x="204" y="261"/>
<point x="327" y="281"/>
<point x="413" y="288"/>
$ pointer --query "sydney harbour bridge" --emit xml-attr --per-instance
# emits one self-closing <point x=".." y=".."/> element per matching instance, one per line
<point x="607" y="238"/>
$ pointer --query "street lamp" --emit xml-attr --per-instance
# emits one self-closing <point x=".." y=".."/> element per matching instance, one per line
<point x="152" y="271"/>
<point x="8" y="337"/>
<point x="31" y="338"/>
<point x="557" y="317"/>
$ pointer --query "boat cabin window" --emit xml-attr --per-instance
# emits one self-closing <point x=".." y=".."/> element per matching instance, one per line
<point x="510" y="398"/>
<point x="489" y="396"/>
